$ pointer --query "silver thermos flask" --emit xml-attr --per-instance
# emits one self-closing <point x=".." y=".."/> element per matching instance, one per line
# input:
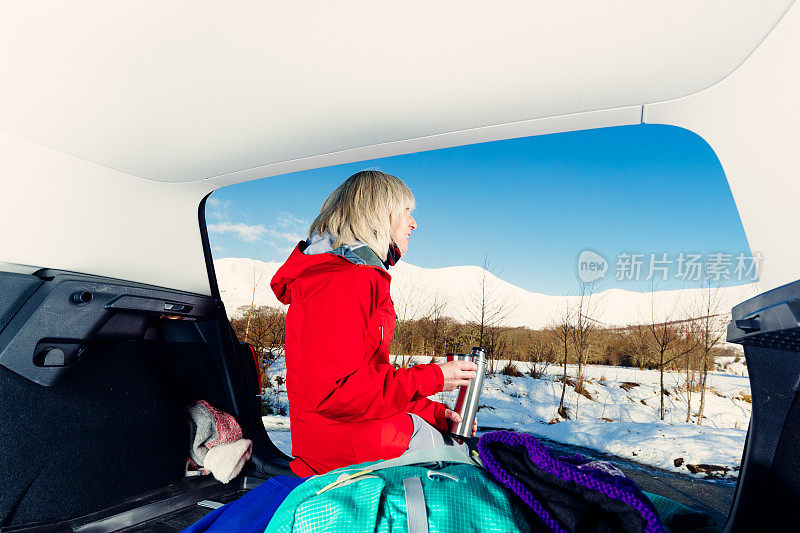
<point x="469" y="395"/>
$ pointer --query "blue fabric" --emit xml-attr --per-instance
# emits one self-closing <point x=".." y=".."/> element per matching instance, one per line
<point x="250" y="513"/>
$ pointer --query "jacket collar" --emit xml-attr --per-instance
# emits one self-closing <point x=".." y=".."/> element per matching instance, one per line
<point x="359" y="254"/>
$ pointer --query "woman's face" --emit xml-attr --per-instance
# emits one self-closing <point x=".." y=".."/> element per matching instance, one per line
<point x="401" y="231"/>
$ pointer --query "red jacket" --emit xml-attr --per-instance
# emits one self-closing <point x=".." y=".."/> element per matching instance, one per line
<point x="347" y="403"/>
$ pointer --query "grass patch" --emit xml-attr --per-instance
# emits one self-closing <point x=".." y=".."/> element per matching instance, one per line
<point x="628" y="385"/>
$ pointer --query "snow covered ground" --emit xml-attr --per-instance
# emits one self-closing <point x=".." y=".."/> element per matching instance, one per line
<point x="619" y="416"/>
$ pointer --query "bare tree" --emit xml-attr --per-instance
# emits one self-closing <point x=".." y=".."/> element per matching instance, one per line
<point x="690" y="377"/>
<point x="496" y="345"/>
<point x="561" y="333"/>
<point x="258" y="275"/>
<point x="540" y="354"/>
<point x="408" y="305"/>
<point x="584" y="328"/>
<point x="487" y="309"/>
<point x="438" y="320"/>
<point x="709" y="329"/>
<point x="667" y="333"/>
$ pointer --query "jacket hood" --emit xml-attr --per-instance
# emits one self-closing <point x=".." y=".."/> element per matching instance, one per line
<point x="295" y="266"/>
<point x="313" y="255"/>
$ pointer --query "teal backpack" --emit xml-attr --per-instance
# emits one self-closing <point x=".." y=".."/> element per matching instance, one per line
<point x="427" y="491"/>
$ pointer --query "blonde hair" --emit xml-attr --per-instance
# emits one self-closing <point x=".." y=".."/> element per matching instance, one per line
<point x="364" y="209"/>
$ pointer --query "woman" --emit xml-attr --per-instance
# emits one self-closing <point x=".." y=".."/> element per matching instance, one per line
<point x="347" y="403"/>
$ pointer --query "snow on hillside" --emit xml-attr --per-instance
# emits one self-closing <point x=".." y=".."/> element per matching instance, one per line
<point x="621" y="418"/>
<point x="238" y="277"/>
<point x="415" y="289"/>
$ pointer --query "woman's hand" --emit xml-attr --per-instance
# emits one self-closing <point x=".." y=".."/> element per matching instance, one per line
<point x="452" y="416"/>
<point x="457" y="373"/>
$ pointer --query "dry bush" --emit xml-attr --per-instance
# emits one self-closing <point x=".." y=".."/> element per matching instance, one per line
<point x="511" y="370"/>
<point x="570" y="382"/>
<point x="744" y="397"/>
<point x="580" y="389"/>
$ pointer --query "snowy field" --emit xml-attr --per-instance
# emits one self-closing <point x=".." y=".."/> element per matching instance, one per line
<point x="618" y="415"/>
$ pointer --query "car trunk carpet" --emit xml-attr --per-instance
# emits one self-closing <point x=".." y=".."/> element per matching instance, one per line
<point x="111" y="429"/>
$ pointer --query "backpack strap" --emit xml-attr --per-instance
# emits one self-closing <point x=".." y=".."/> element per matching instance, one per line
<point x="416" y="515"/>
<point x="442" y="454"/>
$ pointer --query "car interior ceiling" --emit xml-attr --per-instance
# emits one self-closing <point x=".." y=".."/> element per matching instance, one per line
<point x="105" y="422"/>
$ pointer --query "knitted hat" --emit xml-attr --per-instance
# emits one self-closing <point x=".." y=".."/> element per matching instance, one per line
<point x="210" y="427"/>
<point x="217" y="445"/>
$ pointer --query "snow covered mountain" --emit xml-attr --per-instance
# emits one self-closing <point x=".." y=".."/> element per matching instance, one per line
<point x="417" y="290"/>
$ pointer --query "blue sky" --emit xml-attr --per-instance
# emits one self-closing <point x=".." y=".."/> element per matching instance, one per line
<point x="530" y="205"/>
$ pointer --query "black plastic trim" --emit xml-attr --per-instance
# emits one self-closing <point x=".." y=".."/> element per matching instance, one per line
<point x="768" y="492"/>
<point x="266" y="457"/>
<point x="53" y="319"/>
<point x="212" y="275"/>
<point x="131" y="513"/>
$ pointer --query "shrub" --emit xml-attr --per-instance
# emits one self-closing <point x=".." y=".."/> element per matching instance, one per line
<point x="511" y="370"/>
<point x="568" y="379"/>
<point x="537" y="370"/>
<point x="580" y="389"/>
<point x="271" y="405"/>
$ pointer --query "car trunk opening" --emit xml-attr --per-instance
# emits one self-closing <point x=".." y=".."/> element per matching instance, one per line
<point x="94" y="391"/>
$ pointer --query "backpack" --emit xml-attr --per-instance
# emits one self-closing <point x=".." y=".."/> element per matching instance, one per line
<point x="427" y="491"/>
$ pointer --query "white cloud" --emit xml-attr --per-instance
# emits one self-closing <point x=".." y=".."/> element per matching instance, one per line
<point x="290" y="236"/>
<point x="246" y="232"/>
<point x="287" y="229"/>
<point x="217" y="209"/>
<point x="216" y="203"/>
<point x="288" y="220"/>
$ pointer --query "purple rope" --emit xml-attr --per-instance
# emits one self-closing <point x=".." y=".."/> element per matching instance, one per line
<point x="620" y="489"/>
